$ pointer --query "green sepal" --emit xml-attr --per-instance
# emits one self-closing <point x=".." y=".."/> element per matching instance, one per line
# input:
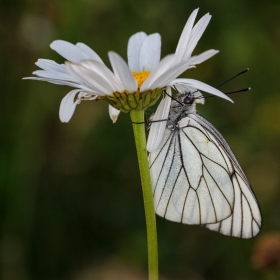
<point x="127" y="101"/>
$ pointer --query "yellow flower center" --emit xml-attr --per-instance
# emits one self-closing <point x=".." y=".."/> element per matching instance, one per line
<point x="141" y="77"/>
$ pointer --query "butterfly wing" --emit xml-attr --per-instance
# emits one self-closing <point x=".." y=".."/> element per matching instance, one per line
<point x="191" y="182"/>
<point x="245" y="221"/>
<point x="197" y="180"/>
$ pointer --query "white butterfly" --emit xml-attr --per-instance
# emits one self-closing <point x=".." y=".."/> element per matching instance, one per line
<point x="195" y="176"/>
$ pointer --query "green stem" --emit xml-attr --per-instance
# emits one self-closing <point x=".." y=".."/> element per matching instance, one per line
<point x="137" y="118"/>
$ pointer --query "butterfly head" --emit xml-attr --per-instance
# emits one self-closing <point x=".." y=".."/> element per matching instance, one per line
<point x="183" y="105"/>
<point x="185" y="100"/>
<point x="188" y="99"/>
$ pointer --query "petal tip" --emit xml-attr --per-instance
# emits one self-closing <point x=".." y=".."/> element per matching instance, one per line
<point x="114" y="118"/>
<point x="114" y="113"/>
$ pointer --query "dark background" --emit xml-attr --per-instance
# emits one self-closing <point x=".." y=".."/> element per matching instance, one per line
<point x="70" y="198"/>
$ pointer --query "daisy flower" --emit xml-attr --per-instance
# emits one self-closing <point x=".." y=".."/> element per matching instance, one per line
<point x="135" y="85"/>
<point x="131" y="87"/>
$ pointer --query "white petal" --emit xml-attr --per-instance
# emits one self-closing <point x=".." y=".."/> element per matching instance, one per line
<point x="102" y="70"/>
<point x="185" y="37"/>
<point x="55" y="75"/>
<point x="150" y="52"/>
<point x="133" y="50"/>
<point x="196" y="34"/>
<point x="122" y="72"/>
<point x="50" y="65"/>
<point x="157" y="128"/>
<point x="68" y="51"/>
<point x="93" y="80"/>
<point x="68" y="106"/>
<point x="197" y="59"/>
<point x="165" y="78"/>
<point x="91" y="53"/>
<point x="114" y="113"/>
<point x="162" y="68"/>
<point x="89" y="78"/>
<point x="197" y="94"/>
<point x="201" y="86"/>
<point x="61" y="82"/>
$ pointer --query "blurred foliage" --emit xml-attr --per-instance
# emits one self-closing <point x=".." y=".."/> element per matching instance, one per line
<point x="70" y="197"/>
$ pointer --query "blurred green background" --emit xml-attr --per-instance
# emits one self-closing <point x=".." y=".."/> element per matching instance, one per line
<point x="70" y="198"/>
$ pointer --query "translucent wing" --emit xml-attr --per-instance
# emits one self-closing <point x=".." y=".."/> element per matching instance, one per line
<point x="197" y="180"/>
<point x="245" y="221"/>
<point x="190" y="177"/>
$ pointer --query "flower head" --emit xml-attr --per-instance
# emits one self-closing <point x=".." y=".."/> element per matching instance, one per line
<point x="135" y="85"/>
<point x="187" y="42"/>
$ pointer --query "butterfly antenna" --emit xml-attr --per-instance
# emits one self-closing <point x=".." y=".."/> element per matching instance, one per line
<point x="236" y="91"/>
<point x="198" y="97"/>
<point x="240" y="90"/>
<point x="240" y="73"/>
<point x="174" y="97"/>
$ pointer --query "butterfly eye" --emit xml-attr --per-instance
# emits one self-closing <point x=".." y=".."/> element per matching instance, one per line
<point x="188" y="100"/>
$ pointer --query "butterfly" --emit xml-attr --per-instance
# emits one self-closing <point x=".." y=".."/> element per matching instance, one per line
<point x="196" y="177"/>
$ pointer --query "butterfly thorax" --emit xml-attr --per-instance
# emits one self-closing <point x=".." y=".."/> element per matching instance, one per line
<point x="180" y="108"/>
